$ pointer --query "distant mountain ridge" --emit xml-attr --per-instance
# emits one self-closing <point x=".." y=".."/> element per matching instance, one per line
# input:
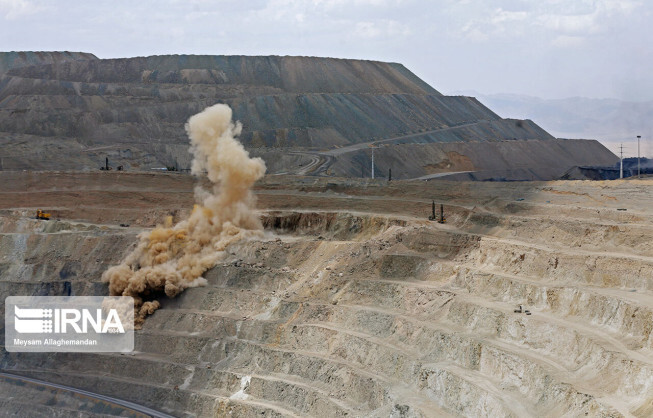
<point x="611" y="121"/>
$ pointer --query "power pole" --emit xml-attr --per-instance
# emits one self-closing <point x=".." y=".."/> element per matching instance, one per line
<point x="621" y="168"/>
<point x="373" y="163"/>
<point x="639" y="176"/>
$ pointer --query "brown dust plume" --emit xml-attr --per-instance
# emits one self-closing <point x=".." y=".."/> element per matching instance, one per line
<point x="169" y="259"/>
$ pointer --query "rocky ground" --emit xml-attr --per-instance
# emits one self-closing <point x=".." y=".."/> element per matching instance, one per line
<point x="353" y="303"/>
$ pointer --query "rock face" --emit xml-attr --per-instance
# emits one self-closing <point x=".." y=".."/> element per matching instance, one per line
<point x="70" y="111"/>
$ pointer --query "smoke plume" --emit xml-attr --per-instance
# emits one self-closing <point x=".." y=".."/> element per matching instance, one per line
<point x="171" y="258"/>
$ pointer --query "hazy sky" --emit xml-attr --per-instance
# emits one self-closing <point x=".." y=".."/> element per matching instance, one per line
<point x="545" y="48"/>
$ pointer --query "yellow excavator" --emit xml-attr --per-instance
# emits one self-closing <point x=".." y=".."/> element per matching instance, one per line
<point x="42" y="215"/>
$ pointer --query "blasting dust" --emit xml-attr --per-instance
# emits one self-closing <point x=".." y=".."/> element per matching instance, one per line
<point x="171" y="258"/>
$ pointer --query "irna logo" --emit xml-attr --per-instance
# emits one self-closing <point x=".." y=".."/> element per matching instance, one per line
<point x="69" y="324"/>
<point x="58" y="321"/>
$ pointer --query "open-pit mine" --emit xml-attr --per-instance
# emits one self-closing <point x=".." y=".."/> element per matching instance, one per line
<point x="315" y="288"/>
<point x="353" y="303"/>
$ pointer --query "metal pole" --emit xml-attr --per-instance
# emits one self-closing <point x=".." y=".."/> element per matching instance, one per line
<point x="621" y="167"/>
<point x="372" y="163"/>
<point x="639" y="176"/>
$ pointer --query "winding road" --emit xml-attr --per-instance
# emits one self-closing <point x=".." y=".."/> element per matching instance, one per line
<point x="322" y="160"/>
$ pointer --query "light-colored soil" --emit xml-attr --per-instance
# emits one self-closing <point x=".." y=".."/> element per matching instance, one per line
<point x="354" y="304"/>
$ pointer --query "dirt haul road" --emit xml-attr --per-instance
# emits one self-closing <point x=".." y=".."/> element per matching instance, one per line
<point x="353" y="303"/>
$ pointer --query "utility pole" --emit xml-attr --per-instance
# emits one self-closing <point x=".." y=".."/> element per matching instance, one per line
<point x="373" y="163"/>
<point x="621" y="168"/>
<point x="639" y="176"/>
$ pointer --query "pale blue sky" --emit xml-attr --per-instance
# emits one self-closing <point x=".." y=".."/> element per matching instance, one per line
<point x="545" y="48"/>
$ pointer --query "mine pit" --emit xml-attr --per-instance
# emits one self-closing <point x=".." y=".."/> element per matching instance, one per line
<point x="274" y="275"/>
<point x="337" y="313"/>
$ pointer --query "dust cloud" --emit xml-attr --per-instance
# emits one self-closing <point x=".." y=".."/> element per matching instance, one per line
<point x="171" y="258"/>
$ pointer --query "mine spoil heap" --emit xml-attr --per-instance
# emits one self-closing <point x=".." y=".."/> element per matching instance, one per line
<point x="303" y="115"/>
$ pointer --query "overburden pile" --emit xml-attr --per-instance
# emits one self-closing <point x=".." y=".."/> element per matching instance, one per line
<point x="303" y="115"/>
